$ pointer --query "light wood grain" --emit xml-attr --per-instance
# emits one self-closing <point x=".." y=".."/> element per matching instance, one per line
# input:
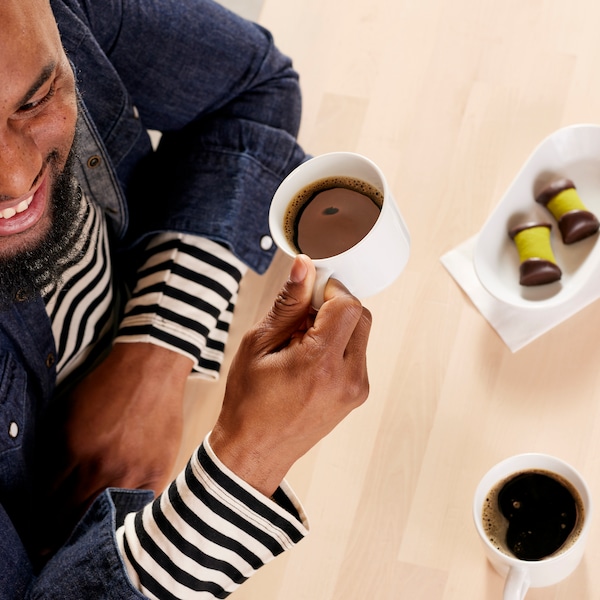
<point x="449" y="97"/>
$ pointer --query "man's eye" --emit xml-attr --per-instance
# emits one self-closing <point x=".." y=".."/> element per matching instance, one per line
<point x="31" y="106"/>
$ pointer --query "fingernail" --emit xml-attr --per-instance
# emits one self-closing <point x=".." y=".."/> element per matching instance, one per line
<point x="299" y="270"/>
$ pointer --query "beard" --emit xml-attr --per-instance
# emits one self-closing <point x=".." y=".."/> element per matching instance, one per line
<point x="25" y="275"/>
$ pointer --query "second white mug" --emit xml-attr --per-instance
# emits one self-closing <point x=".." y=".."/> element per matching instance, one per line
<point x="523" y="574"/>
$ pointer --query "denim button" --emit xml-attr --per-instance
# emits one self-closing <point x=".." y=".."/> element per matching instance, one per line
<point x="94" y="161"/>
<point x="50" y="360"/>
<point x="13" y="430"/>
<point x="266" y="242"/>
<point x="21" y="296"/>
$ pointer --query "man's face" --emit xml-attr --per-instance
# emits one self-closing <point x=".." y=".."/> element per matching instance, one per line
<point x="38" y="112"/>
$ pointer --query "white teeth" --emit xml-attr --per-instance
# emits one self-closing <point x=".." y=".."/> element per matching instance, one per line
<point x="23" y="206"/>
<point x="7" y="213"/>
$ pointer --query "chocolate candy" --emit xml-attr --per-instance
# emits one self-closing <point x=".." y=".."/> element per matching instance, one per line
<point x="575" y="221"/>
<point x="538" y="265"/>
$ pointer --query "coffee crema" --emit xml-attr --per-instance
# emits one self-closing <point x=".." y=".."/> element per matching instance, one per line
<point x="533" y="514"/>
<point x="331" y="215"/>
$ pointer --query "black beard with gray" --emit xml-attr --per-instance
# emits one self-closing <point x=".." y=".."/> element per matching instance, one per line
<point x="25" y="275"/>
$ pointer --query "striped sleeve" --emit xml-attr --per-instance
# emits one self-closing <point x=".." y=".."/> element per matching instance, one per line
<point x="184" y="299"/>
<point x="207" y="533"/>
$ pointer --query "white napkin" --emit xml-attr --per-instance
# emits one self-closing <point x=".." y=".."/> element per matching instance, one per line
<point x="516" y="326"/>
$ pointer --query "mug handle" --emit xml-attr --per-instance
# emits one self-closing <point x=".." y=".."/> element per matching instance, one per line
<point x="318" y="293"/>
<point x="516" y="585"/>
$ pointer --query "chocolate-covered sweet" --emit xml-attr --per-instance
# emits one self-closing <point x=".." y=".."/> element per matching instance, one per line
<point x="575" y="221"/>
<point x="553" y="189"/>
<point x="538" y="265"/>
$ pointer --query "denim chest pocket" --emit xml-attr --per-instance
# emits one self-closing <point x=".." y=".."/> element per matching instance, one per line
<point x="13" y="398"/>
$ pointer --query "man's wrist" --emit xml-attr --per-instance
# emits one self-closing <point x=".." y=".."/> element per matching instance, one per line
<point x="153" y="366"/>
<point x="247" y="460"/>
<point x="153" y="355"/>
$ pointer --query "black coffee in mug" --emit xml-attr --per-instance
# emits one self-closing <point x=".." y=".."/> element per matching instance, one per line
<point x="533" y="514"/>
<point x="331" y="215"/>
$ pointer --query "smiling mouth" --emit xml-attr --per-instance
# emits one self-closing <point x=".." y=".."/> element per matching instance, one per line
<point x="25" y="212"/>
<point x="8" y="213"/>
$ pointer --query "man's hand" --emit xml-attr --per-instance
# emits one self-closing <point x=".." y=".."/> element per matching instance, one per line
<point x="122" y="428"/>
<point x="294" y="378"/>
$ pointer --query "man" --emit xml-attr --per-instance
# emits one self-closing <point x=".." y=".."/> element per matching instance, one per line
<point x="119" y="269"/>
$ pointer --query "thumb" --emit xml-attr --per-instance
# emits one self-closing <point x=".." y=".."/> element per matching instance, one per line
<point x="292" y="305"/>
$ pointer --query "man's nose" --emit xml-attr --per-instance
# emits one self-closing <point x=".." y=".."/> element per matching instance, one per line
<point x="20" y="163"/>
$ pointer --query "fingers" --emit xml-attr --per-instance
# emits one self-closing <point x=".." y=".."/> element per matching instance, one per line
<point x="357" y="345"/>
<point x="291" y="307"/>
<point x="341" y="326"/>
<point x="342" y="323"/>
<point x="337" y="345"/>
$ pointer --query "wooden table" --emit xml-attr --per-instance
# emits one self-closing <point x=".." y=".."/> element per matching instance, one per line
<point x="449" y="97"/>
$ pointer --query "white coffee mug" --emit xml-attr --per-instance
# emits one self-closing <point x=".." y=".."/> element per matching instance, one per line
<point x="375" y="261"/>
<point x="524" y="574"/>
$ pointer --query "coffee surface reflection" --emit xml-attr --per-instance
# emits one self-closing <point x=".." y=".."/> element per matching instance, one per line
<point x="332" y="215"/>
<point x="533" y="515"/>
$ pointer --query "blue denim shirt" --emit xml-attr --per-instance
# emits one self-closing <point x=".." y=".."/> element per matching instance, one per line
<point x="228" y="106"/>
<point x="226" y="101"/>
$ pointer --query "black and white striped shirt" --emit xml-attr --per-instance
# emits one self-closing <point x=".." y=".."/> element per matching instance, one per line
<point x="184" y="299"/>
<point x="210" y="530"/>
<point x="81" y="306"/>
<point x="207" y="533"/>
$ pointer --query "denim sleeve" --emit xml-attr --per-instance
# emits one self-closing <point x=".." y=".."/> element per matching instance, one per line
<point x="89" y="565"/>
<point x="228" y="104"/>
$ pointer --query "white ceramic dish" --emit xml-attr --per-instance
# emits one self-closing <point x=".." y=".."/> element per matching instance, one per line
<point x="572" y="152"/>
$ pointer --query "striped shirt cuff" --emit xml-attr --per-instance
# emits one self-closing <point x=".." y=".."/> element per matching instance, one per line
<point x="207" y="533"/>
<point x="184" y="299"/>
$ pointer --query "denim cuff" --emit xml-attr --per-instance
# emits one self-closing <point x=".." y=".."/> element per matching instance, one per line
<point x="89" y="565"/>
<point x="216" y="180"/>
